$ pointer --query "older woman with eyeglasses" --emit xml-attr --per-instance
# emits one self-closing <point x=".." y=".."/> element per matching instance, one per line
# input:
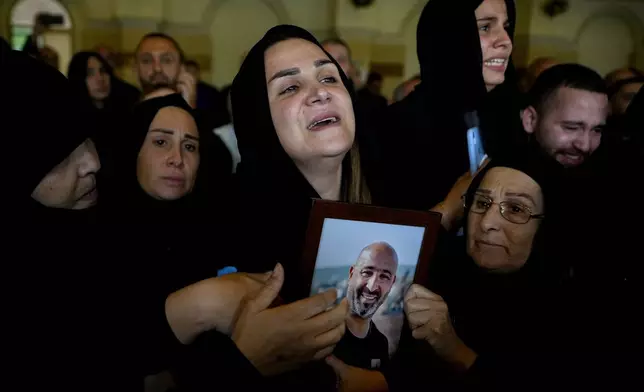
<point x="488" y="311"/>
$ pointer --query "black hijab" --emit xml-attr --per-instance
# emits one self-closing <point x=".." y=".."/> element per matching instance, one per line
<point x="61" y="260"/>
<point x="265" y="158"/>
<point x="41" y="109"/>
<point x="511" y="320"/>
<point x="424" y="136"/>
<point x="477" y="296"/>
<point x="273" y="191"/>
<point x="77" y="72"/>
<point x="126" y="192"/>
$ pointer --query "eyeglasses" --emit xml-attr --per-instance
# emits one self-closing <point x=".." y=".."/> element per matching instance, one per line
<point x="510" y="211"/>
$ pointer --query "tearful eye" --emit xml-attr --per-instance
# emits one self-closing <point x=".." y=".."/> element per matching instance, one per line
<point x="484" y="28"/>
<point x="330" y="79"/>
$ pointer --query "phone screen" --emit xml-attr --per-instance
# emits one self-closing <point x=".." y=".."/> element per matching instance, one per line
<point x="475" y="149"/>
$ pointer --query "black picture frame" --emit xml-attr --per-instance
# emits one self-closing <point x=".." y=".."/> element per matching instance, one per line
<point x="323" y="209"/>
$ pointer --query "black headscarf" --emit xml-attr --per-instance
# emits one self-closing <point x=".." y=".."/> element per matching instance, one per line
<point x="77" y="71"/>
<point x="41" y="110"/>
<point x="267" y="175"/>
<point x="424" y="136"/>
<point x="508" y="319"/>
<point x="457" y="80"/>
<point x="264" y="157"/>
<point x="126" y="192"/>
<point x="42" y="125"/>
<point x="275" y="198"/>
<point x="548" y="174"/>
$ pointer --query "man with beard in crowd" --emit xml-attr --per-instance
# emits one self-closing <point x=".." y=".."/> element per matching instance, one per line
<point x="566" y="113"/>
<point x="370" y="281"/>
<point x="159" y="64"/>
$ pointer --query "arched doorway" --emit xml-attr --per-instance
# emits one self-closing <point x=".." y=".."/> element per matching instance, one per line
<point x="606" y="42"/>
<point x="56" y="41"/>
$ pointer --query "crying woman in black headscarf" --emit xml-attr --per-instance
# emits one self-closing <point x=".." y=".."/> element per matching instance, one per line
<point x="295" y="126"/>
<point x="464" y="50"/>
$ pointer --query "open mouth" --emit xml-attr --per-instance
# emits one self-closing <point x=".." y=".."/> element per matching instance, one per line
<point x="369" y="297"/>
<point x="496" y="63"/>
<point x="324" y="122"/>
<point x="572" y="159"/>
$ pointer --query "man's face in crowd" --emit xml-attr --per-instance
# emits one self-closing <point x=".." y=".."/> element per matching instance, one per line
<point x="158" y="64"/>
<point x="341" y="54"/>
<point x="371" y="279"/>
<point x="569" y="125"/>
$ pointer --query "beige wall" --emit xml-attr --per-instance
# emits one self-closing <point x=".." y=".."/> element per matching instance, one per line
<point x="218" y="32"/>
<point x="561" y="36"/>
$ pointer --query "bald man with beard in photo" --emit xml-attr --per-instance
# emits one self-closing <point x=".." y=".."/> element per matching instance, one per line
<point x="370" y="280"/>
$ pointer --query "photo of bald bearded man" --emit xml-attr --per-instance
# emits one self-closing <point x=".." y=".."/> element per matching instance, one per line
<point x="370" y="281"/>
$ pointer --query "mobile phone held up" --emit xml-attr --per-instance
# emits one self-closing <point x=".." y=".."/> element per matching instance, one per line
<point x="474" y="142"/>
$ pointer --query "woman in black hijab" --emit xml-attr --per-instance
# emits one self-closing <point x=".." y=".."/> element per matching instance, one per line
<point x="61" y="290"/>
<point x="293" y="116"/>
<point x="288" y="160"/>
<point x="491" y="317"/>
<point x="465" y="69"/>
<point x="105" y="108"/>
<point x="161" y="204"/>
<point x="158" y="183"/>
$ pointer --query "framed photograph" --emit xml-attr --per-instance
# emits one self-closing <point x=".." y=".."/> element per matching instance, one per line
<point x="370" y="255"/>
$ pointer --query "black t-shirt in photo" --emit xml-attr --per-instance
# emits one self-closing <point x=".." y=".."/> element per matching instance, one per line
<point x="370" y="352"/>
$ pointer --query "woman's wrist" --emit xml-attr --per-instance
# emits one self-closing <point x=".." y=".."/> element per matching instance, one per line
<point x="192" y="310"/>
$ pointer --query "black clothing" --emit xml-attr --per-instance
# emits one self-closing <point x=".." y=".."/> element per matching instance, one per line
<point x="62" y="291"/>
<point x="212" y="102"/>
<point x="422" y="146"/>
<point x="167" y="239"/>
<point x="370" y="352"/>
<point x="107" y="120"/>
<point x="274" y="198"/>
<point x="267" y="175"/>
<point x="514" y="321"/>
